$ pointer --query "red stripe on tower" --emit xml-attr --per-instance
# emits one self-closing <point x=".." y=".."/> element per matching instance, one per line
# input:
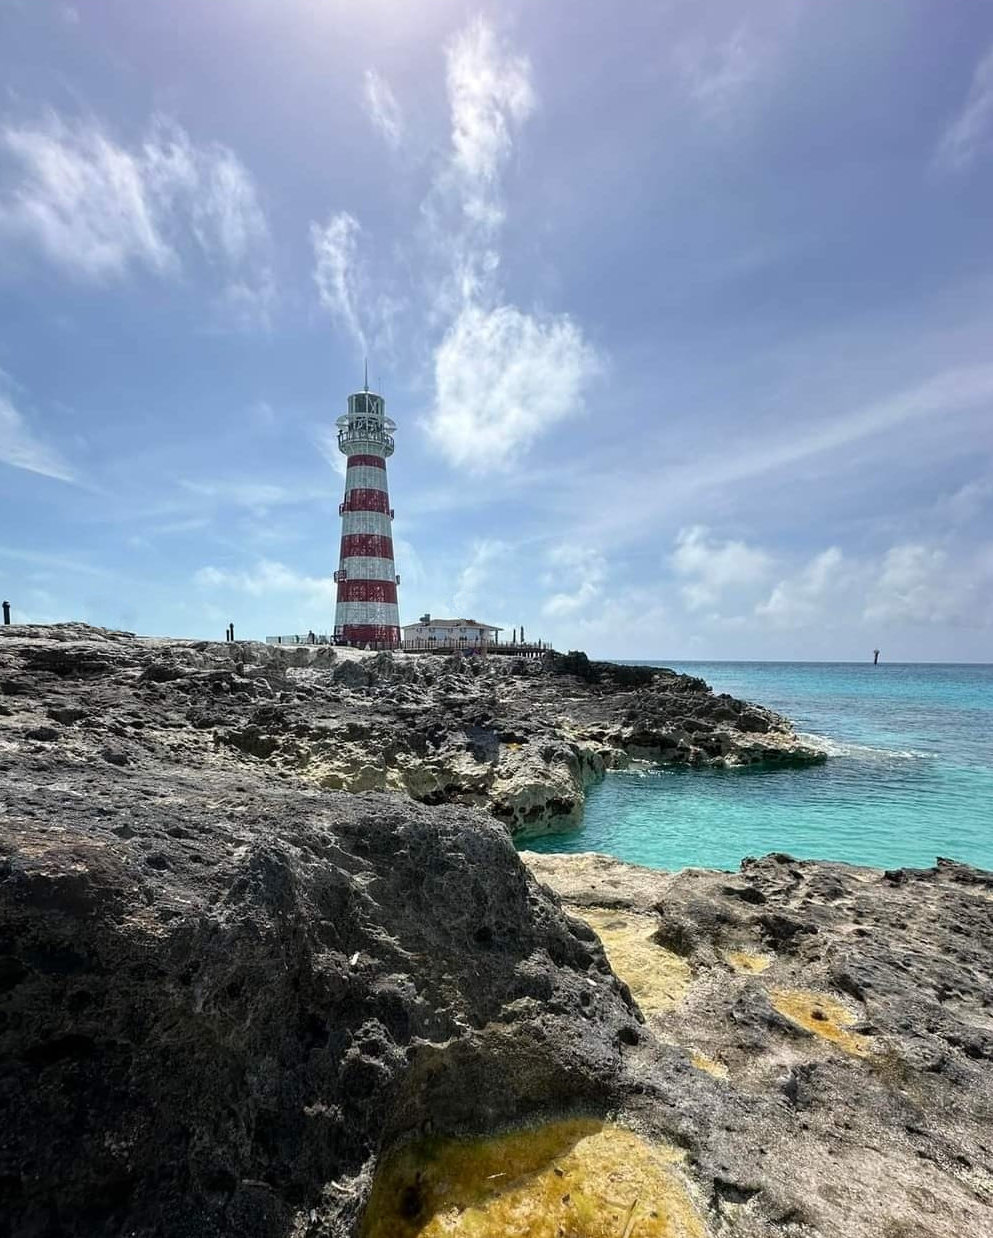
<point x="350" y="590"/>
<point x="368" y="545"/>
<point x="366" y="610"/>
<point x="363" y="500"/>
<point x="373" y="634"/>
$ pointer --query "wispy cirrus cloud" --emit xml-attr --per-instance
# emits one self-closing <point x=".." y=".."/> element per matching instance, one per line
<point x="256" y="496"/>
<point x="503" y="375"/>
<point x="337" y="272"/>
<point x="87" y="204"/>
<point x="326" y="441"/>
<point x="960" y="397"/>
<point x="99" y="209"/>
<point x="971" y="132"/>
<point x="490" y="96"/>
<point x="22" y="448"/>
<point x="56" y="564"/>
<point x="966" y="504"/>
<point x="490" y="93"/>
<point x="716" y="74"/>
<point x="362" y="306"/>
<point x="382" y="107"/>
<point x="267" y="575"/>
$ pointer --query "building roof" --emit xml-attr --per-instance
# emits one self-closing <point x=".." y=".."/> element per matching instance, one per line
<point x="452" y="623"/>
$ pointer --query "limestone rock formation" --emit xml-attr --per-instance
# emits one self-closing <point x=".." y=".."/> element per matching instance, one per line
<point x="844" y="1016"/>
<point x="233" y="997"/>
<point x="222" y="999"/>
<point x="521" y="739"/>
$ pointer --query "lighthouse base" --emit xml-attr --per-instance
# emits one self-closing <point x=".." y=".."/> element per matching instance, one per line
<point x="381" y="634"/>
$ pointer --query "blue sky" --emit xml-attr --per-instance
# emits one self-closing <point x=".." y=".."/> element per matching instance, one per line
<point x="683" y="311"/>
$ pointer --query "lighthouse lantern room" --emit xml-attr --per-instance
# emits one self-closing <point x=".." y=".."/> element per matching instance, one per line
<point x="366" y="610"/>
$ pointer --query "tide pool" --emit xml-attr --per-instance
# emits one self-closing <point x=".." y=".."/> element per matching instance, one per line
<point x="910" y="775"/>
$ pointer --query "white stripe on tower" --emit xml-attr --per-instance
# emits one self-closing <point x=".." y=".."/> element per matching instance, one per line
<point x="361" y="476"/>
<point x="367" y="522"/>
<point x="367" y="567"/>
<point x="355" y="614"/>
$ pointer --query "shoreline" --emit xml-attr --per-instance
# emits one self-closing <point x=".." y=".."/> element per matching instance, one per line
<point x="522" y="739"/>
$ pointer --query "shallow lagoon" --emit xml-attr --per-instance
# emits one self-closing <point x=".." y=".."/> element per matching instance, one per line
<point x="910" y="775"/>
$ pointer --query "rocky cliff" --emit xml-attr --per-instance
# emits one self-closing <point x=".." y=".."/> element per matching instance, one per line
<point x="520" y="739"/>
<point x="234" y="1000"/>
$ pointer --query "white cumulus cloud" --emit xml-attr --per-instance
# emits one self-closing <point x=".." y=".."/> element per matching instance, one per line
<point x="809" y="595"/>
<point x="711" y="567"/>
<point x="577" y="573"/>
<point x="502" y="379"/>
<point x="911" y="584"/>
<point x="924" y="584"/>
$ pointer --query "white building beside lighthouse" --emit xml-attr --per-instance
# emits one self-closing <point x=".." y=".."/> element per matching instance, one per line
<point x="449" y="633"/>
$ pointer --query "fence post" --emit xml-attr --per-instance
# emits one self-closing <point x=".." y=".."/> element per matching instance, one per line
<point x="6" y="613"/>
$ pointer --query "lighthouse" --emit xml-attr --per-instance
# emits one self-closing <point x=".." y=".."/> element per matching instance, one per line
<point x="366" y="610"/>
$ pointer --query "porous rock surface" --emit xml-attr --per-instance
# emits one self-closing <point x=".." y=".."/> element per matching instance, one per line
<point x="522" y="739"/>
<point x="846" y="1017"/>
<point x="227" y="990"/>
<point x="223" y="992"/>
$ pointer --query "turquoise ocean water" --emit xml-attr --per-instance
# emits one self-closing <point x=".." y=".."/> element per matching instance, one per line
<point x="910" y="775"/>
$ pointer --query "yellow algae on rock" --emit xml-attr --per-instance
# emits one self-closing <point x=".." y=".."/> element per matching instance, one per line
<point x="579" y="1178"/>
<point x="746" y="961"/>
<point x="823" y="1015"/>
<point x="657" y="977"/>
<point x="702" y="1062"/>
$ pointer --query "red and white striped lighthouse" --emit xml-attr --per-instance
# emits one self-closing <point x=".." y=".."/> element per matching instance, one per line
<point x="366" y="610"/>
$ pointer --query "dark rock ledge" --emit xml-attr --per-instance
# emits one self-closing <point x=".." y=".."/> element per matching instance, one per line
<point x="520" y="739"/>
<point x="227" y="992"/>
